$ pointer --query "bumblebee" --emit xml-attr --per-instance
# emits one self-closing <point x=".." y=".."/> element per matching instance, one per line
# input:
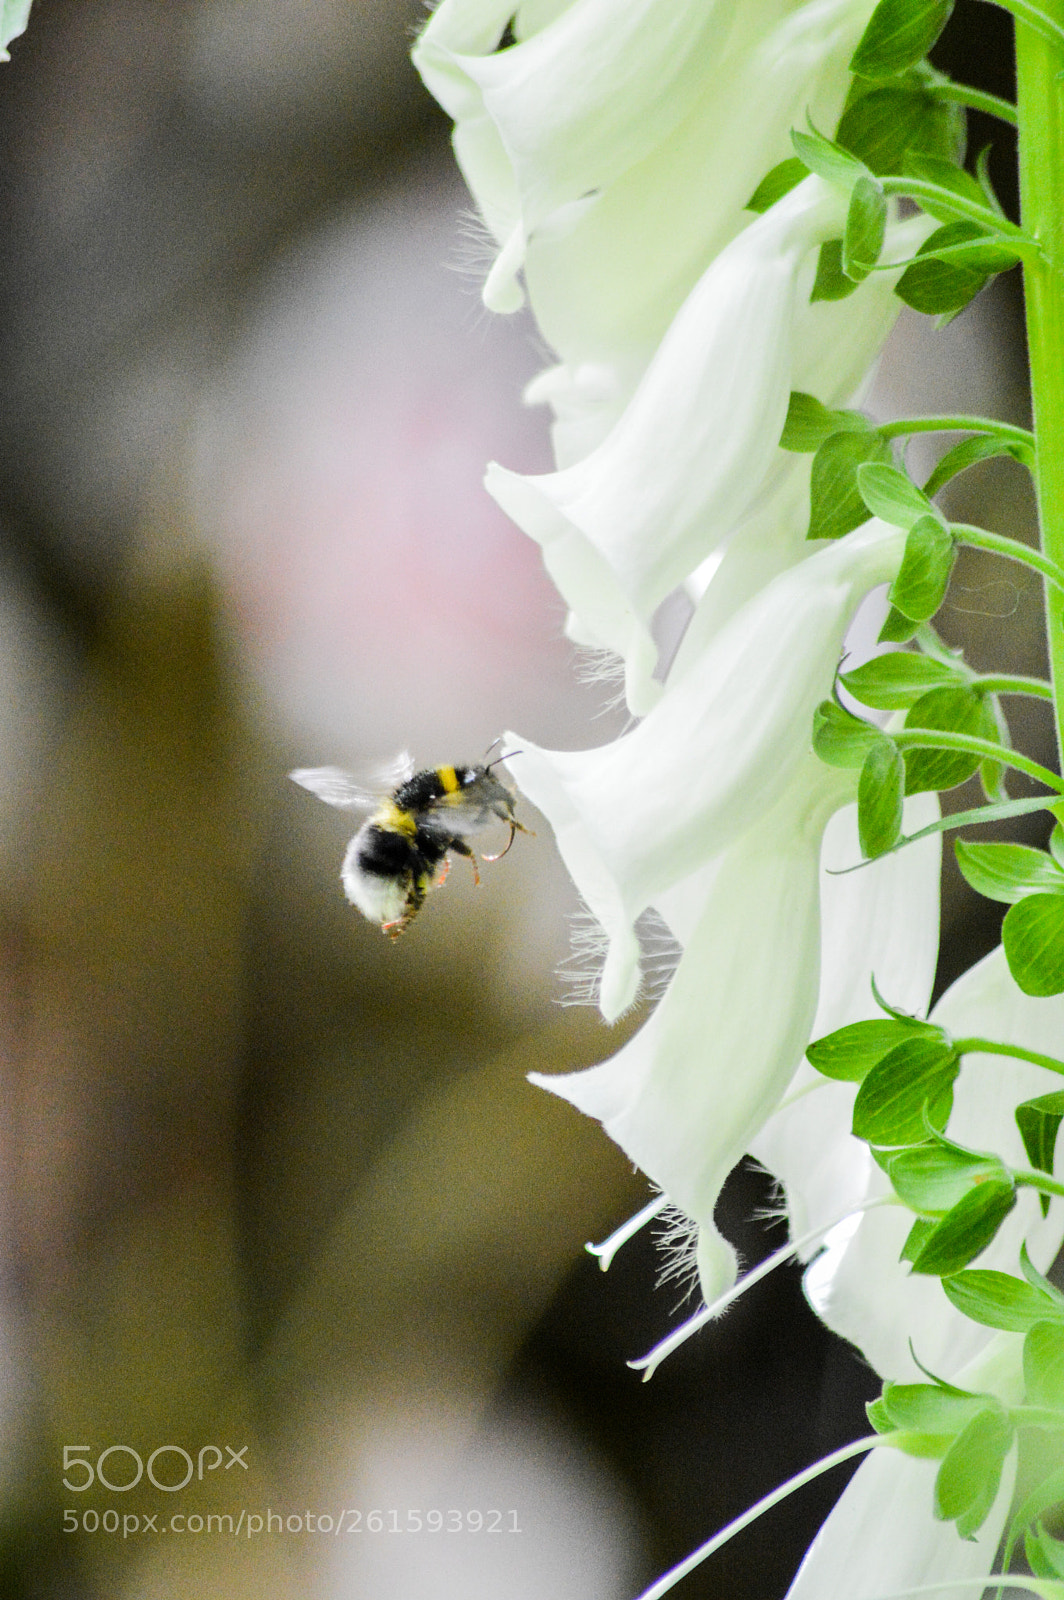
<point x="402" y="849"/>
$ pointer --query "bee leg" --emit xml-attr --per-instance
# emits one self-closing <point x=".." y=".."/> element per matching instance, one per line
<point x="460" y="848"/>
<point x="415" y="899"/>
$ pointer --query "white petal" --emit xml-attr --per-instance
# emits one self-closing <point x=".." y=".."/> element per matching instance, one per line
<point x="860" y="1288"/>
<point x="609" y="286"/>
<point x="882" y="1539"/>
<point x="581" y="99"/>
<point x="713" y="756"/>
<point x="685" y="1095"/>
<point x="880" y="922"/>
<point x="689" y="455"/>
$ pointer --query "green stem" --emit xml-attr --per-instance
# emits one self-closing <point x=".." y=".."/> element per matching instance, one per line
<point x="990" y="1047"/>
<point x="960" y="94"/>
<point x="1042" y="18"/>
<point x="985" y="749"/>
<point x="1005" y="683"/>
<point x="1039" y="1181"/>
<point x="1000" y="545"/>
<point x="1040" y="101"/>
<point x="955" y="424"/>
<point x="1036" y="1417"/>
<point x="957" y="205"/>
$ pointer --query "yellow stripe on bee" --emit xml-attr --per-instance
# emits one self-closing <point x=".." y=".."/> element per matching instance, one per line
<point x="395" y="819"/>
<point x="449" y="778"/>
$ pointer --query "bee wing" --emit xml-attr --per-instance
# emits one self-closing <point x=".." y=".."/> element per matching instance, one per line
<point x="339" y="788"/>
<point x="393" y="773"/>
<point x="336" y="788"/>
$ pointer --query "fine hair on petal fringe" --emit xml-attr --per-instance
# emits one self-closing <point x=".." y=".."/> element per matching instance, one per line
<point x="581" y="970"/>
<point x="676" y="1240"/>
<point x="597" y="666"/>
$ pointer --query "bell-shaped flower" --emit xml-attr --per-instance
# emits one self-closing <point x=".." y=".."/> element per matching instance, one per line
<point x="604" y="284"/>
<point x="557" y="117"/>
<point x="621" y="528"/>
<point x="881" y="1538"/>
<point x="878" y="923"/>
<point x="684" y="1097"/>
<point x="714" y="755"/>
<point x="858" y="1285"/>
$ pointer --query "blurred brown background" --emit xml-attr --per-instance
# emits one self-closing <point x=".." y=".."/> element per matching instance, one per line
<point x="268" y="1179"/>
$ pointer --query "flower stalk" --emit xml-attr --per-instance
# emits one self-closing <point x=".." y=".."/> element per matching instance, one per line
<point x="1040" y="102"/>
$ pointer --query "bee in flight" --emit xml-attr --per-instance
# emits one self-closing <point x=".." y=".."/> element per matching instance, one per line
<point x="401" y="850"/>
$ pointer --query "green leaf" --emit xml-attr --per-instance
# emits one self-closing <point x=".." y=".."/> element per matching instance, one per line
<point x="1007" y="872"/>
<point x="881" y="125"/>
<point x="981" y="447"/>
<point x="917" y="1237"/>
<point x="898" y="35"/>
<point x="998" y="1300"/>
<point x="983" y="252"/>
<point x="1045" y="1554"/>
<point x="949" y="710"/>
<point x="992" y="774"/>
<point x="1033" y="936"/>
<point x="866" y="226"/>
<point x="923" y="577"/>
<point x="1039" y="1123"/>
<point x="895" y="681"/>
<point x="931" y="1178"/>
<point x="880" y="796"/>
<point x="917" y="1074"/>
<point x="898" y="628"/>
<point x="891" y="495"/>
<point x="967" y="1229"/>
<point x="827" y="159"/>
<point x="926" y="1408"/>
<point x="836" y="503"/>
<point x="1037" y="1279"/>
<point x="948" y="175"/>
<point x="1043" y="1365"/>
<point x="784" y="177"/>
<point x="942" y="287"/>
<point x="970" y="1475"/>
<point x="850" y="1053"/>
<point x="831" y="283"/>
<point x="1045" y="1494"/>
<point x="839" y="738"/>
<point x="1056" y="845"/>
<point x="809" y="423"/>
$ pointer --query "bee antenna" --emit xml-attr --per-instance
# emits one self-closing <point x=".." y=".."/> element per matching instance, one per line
<point x="499" y="759"/>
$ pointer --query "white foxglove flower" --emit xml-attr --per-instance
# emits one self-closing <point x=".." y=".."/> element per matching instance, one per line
<point x="715" y="754"/>
<point x="605" y="287"/>
<point x="881" y="1540"/>
<point x="553" y="120"/>
<point x="880" y="922"/>
<point x="620" y="529"/>
<point x="686" y="1094"/>
<point x="858" y="1286"/>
